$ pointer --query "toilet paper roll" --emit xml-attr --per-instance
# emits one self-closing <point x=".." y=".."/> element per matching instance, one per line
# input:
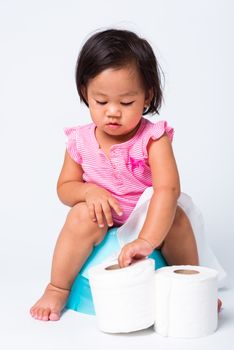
<point x="186" y="301"/>
<point x="123" y="297"/>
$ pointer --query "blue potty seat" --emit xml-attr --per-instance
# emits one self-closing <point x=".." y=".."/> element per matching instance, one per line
<point x="80" y="298"/>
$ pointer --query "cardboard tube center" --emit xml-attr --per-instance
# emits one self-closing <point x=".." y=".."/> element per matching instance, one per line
<point x="113" y="267"/>
<point x="186" y="272"/>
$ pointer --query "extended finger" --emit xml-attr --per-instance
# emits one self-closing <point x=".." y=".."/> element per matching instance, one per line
<point x="91" y="211"/>
<point x="107" y="213"/>
<point x="99" y="214"/>
<point x="115" y="205"/>
<point x="124" y="258"/>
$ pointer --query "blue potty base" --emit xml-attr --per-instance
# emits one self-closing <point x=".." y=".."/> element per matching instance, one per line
<point x="80" y="298"/>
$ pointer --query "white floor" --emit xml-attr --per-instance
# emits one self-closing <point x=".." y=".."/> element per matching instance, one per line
<point x="24" y="270"/>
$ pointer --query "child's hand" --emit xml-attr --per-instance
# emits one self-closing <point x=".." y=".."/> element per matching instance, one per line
<point x="137" y="249"/>
<point x="99" y="202"/>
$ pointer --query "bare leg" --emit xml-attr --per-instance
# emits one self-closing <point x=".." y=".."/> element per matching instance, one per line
<point x="75" y="243"/>
<point x="179" y="246"/>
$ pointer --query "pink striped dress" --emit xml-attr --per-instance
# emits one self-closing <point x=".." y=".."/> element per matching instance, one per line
<point x="126" y="173"/>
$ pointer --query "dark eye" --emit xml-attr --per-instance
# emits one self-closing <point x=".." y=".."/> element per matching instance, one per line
<point x="101" y="103"/>
<point x="127" y="103"/>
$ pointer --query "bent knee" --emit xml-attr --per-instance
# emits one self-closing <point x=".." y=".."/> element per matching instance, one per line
<point x="79" y="221"/>
<point x="78" y="214"/>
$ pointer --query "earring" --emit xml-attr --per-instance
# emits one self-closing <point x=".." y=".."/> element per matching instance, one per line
<point x="146" y="108"/>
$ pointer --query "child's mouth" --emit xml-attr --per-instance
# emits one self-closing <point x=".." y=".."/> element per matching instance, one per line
<point x="113" y="125"/>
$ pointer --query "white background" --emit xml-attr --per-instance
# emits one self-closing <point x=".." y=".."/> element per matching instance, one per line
<point x="39" y="44"/>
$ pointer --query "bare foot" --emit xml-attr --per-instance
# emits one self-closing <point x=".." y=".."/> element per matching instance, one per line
<point x="219" y="305"/>
<point x="50" y="305"/>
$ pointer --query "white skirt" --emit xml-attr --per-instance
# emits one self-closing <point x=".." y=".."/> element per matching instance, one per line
<point x="130" y="230"/>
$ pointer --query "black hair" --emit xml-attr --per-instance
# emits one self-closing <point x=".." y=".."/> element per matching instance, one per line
<point x="116" y="48"/>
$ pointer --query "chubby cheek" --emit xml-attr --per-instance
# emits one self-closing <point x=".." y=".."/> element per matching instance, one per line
<point x="134" y="115"/>
<point x="96" y="115"/>
<point x="138" y="109"/>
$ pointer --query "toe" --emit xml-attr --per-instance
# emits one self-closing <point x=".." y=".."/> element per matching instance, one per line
<point x="39" y="313"/>
<point x="54" y="315"/>
<point x="31" y="312"/>
<point x="34" y="312"/>
<point x="45" y="314"/>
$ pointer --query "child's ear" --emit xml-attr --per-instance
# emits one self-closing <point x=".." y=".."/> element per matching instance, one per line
<point x="148" y="96"/>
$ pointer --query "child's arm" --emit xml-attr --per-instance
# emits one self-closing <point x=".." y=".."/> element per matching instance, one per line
<point x="166" y="184"/>
<point x="162" y="206"/>
<point x="72" y="189"/>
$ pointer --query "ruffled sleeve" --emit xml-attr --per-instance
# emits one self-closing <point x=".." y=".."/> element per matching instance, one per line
<point x="155" y="131"/>
<point x="73" y="143"/>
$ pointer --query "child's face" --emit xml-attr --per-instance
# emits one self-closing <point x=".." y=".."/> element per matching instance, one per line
<point x="116" y="100"/>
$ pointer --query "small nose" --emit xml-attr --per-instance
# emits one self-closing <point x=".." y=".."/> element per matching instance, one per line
<point x="113" y="110"/>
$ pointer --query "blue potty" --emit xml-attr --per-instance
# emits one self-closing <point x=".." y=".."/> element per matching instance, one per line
<point x="80" y="298"/>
